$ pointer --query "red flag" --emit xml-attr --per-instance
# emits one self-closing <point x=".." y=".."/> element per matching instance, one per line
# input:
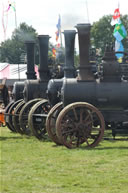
<point x="116" y="17"/>
<point x="116" y="14"/>
<point x="58" y="45"/>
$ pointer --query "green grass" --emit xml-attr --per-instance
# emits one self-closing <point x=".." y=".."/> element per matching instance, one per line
<point x="31" y="166"/>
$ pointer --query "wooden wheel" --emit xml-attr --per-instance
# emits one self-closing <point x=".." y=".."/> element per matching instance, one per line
<point x="23" y="116"/>
<point x="80" y="122"/>
<point x="51" y="122"/>
<point x="15" y="118"/>
<point x="6" y="115"/>
<point x="37" y="118"/>
<point x="9" y="115"/>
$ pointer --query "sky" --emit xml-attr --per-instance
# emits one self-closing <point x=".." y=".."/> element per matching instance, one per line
<point x="42" y="15"/>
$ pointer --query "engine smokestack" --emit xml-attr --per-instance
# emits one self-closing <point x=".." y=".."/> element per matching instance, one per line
<point x="85" y="72"/>
<point x="69" y="69"/>
<point x="43" y="57"/>
<point x="30" y="46"/>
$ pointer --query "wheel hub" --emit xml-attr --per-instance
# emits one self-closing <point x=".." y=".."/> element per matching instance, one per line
<point x="83" y="130"/>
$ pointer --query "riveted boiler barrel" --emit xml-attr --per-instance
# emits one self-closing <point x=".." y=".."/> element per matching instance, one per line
<point x="103" y="95"/>
<point x="34" y="89"/>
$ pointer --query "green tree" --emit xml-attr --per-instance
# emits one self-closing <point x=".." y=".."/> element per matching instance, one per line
<point x="102" y="32"/>
<point x="12" y="49"/>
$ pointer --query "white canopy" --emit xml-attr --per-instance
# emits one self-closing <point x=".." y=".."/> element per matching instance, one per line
<point x="14" y="71"/>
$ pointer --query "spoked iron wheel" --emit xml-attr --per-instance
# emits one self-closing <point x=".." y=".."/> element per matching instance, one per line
<point x="37" y="118"/>
<point x="51" y="122"/>
<point x="15" y="118"/>
<point x="9" y="115"/>
<point x="6" y="116"/>
<point x="80" y="123"/>
<point x="23" y="116"/>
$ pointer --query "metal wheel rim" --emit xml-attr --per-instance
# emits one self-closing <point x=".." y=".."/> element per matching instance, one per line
<point x="6" y="115"/>
<point x="39" y="130"/>
<point x="15" y="118"/>
<point x="51" y="123"/>
<point x="86" y="132"/>
<point x="10" y="114"/>
<point x="23" y="116"/>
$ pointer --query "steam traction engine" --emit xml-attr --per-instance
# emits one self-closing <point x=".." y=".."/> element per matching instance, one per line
<point x="89" y="104"/>
<point x="38" y="113"/>
<point x="19" y="86"/>
<point x="34" y="90"/>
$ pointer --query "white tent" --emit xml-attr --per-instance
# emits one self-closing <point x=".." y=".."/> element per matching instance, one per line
<point x="14" y="71"/>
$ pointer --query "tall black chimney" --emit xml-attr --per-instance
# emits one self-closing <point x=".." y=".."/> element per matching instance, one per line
<point x="43" y="57"/>
<point x="30" y="46"/>
<point x="85" y="72"/>
<point x="69" y="69"/>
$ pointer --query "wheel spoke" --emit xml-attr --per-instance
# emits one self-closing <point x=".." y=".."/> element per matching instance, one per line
<point x="87" y="123"/>
<point x="81" y="115"/>
<point x="75" y="114"/>
<point x="93" y="136"/>
<point x="86" y="118"/>
<point x="74" y="131"/>
<point x="86" y="140"/>
<point x="68" y="131"/>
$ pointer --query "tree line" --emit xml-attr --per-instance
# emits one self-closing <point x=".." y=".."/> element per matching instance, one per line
<point x="13" y="50"/>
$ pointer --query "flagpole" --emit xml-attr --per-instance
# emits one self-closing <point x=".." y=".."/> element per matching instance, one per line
<point x="15" y="17"/>
<point x="60" y="38"/>
<point x="118" y="5"/>
<point x="60" y="33"/>
<point x="87" y="10"/>
<point x="15" y="20"/>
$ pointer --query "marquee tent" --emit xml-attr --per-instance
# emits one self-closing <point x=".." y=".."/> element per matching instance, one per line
<point x="14" y="71"/>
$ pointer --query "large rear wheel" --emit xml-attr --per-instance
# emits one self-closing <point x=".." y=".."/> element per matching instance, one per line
<point x="6" y="115"/>
<point x="9" y="115"/>
<point x="51" y="122"/>
<point x="15" y="118"/>
<point x="23" y="116"/>
<point x="80" y="123"/>
<point x="37" y="118"/>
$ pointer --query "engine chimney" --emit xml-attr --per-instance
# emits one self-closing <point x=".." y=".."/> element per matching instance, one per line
<point x="30" y="46"/>
<point x="85" y="72"/>
<point x="69" y="69"/>
<point x="43" y="53"/>
<point x="54" y="85"/>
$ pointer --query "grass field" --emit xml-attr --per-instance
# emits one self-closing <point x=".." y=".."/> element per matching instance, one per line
<point x="32" y="166"/>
